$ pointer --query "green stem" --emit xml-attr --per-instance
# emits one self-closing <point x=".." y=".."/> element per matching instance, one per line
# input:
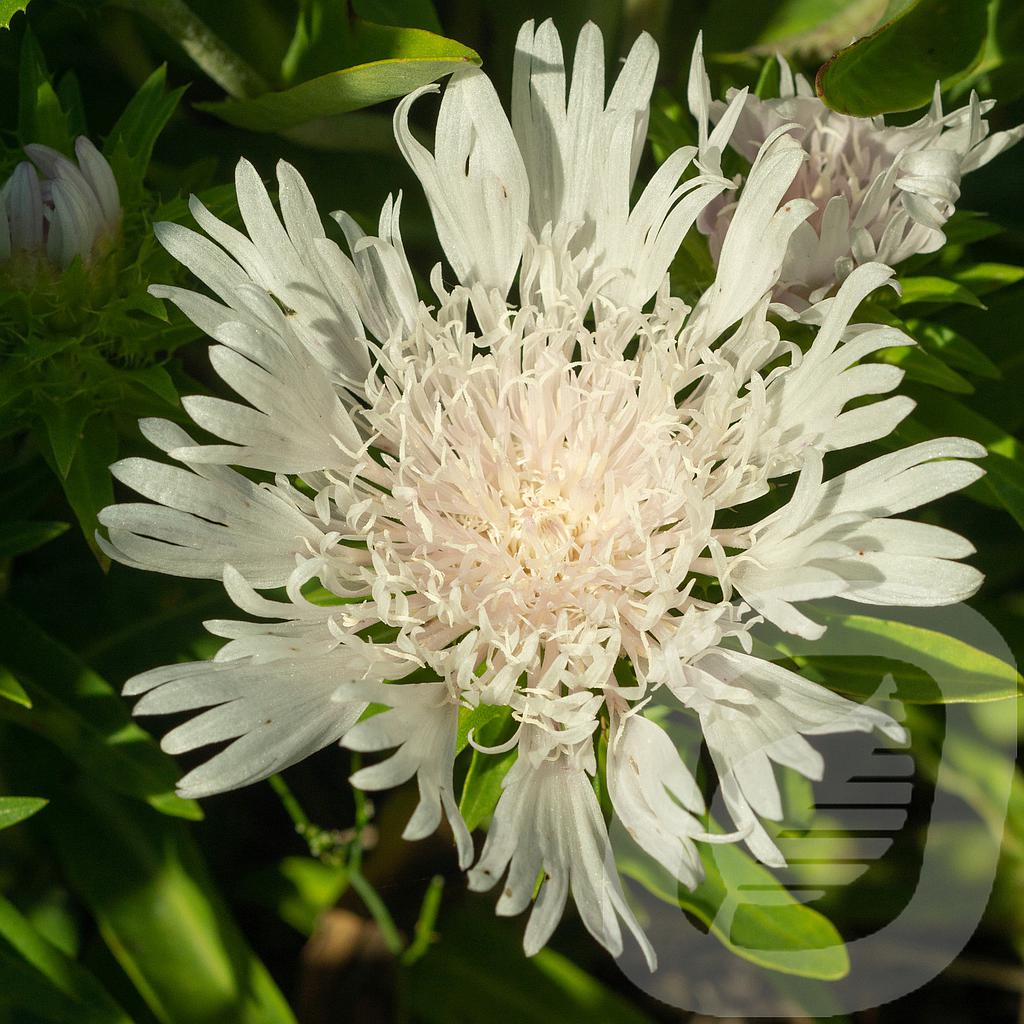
<point x="380" y="913"/>
<point x="326" y="847"/>
<point x="233" y="74"/>
<point x="290" y="804"/>
<point x="423" y="933"/>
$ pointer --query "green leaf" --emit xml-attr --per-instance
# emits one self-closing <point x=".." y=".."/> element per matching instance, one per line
<point x="486" y="772"/>
<point x="395" y="62"/>
<point x="129" y="145"/>
<point x="298" y="890"/>
<point x="776" y="930"/>
<point x="158" y="911"/>
<point x="897" y="65"/>
<point x="455" y="981"/>
<point x="80" y="713"/>
<point x="402" y="13"/>
<point x="923" y="366"/>
<point x="786" y="26"/>
<point x="17" y="808"/>
<point x="69" y="92"/>
<point x="983" y="278"/>
<point x="17" y="537"/>
<point x="156" y="380"/>
<point x="40" y="116"/>
<point x="9" y="8"/>
<point x="474" y="720"/>
<point x="12" y="690"/>
<point x="769" y="79"/>
<point x="1006" y="478"/>
<point x="65" y="426"/>
<point x="671" y="127"/>
<point x="927" y="666"/>
<point x="967" y="226"/>
<point x="952" y="347"/>
<point x="45" y="984"/>
<point x="936" y="291"/>
<point x="322" y="33"/>
<point x="88" y="485"/>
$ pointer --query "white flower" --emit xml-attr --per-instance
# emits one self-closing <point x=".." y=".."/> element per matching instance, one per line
<point x="513" y="499"/>
<point x="53" y="209"/>
<point x="881" y="192"/>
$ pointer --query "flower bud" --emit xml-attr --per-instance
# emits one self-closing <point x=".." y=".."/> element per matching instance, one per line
<point x="54" y="211"/>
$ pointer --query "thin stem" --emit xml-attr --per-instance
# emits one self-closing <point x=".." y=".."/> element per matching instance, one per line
<point x="331" y="848"/>
<point x="233" y="74"/>
<point x="290" y="803"/>
<point x="423" y="933"/>
<point x="380" y="913"/>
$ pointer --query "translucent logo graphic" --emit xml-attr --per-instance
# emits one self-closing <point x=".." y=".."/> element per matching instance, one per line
<point x="899" y="842"/>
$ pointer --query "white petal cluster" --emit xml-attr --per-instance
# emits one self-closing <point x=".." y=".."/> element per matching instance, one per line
<point x="880" y="192"/>
<point x="54" y="209"/>
<point x="535" y="492"/>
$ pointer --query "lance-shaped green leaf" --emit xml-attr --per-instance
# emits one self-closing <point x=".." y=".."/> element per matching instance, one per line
<point x="9" y="8"/>
<point x="456" y="979"/>
<point x="40" y="115"/>
<point x="17" y="808"/>
<point x="928" y="369"/>
<point x="79" y="711"/>
<point x="41" y="983"/>
<point x="17" y="537"/>
<point x="749" y="912"/>
<point x="392" y="62"/>
<point x="896" y="66"/>
<point x="953" y="348"/>
<point x="12" y="690"/>
<point x="482" y="788"/>
<point x="925" y="665"/>
<point x="129" y="145"/>
<point x="1004" y="466"/>
<point x="936" y="291"/>
<point x="87" y="482"/>
<point x="158" y="911"/>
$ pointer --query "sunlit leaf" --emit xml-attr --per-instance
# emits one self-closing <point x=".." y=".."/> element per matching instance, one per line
<point x="952" y="347"/>
<point x="17" y="808"/>
<point x="298" y="890"/>
<point x="982" y="278"/>
<point x="12" y="690"/>
<point x="79" y="712"/>
<point x="40" y="116"/>
<point x="482" y="788"/>
<point x="926" y="665"/>
<point x="936" y="291"/>
<point x="479" y="959"/>
<point x="897" y="65"/>
<point x="159" y="913"/>
<point x="9" y="8"/>
<point x="405" y="59"/>
<point x="750" y="912"/>
<point x="928" y="369"/>
<point x="42" y="983"/>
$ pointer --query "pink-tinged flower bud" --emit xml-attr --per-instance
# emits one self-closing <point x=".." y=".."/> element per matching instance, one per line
<point x="55" y="211"/>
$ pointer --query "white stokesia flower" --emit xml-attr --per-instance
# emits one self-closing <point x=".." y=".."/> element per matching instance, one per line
<point x="514" y="500"/>
<point x="881" y="192"/>
<point x="55" y="210"/>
